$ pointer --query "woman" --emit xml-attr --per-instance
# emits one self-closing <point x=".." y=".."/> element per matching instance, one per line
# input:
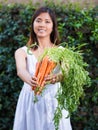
<point x="39" y="115"/>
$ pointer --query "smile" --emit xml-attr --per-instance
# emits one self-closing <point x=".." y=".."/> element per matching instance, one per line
<point x="41" y="30"/>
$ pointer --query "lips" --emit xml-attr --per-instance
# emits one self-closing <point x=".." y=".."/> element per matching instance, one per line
<point x="41" y="30"/>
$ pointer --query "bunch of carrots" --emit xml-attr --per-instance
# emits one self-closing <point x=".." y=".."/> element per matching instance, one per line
<point x="43" y="68"/>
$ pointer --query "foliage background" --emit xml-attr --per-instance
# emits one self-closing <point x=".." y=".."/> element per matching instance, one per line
<point x="78" y="27"/>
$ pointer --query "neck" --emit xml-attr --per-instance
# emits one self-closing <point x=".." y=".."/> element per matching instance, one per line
<point x="44" y="43"/>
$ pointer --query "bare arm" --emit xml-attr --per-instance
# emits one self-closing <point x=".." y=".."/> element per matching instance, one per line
<point x="20" y="58"/>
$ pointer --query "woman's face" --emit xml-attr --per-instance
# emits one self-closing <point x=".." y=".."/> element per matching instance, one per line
<point x="43" y="25"/>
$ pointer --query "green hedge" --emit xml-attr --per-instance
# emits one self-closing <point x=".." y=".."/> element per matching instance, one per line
<point x="78" y="28"/>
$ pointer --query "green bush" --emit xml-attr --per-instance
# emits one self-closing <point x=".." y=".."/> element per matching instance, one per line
<point x="78" y="28"/>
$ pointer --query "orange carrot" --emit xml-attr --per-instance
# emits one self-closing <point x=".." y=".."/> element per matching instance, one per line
<point x="42" y="70"/>
<point x="37" y="68"/>
<point x="36" y="72"/>
<point x="43" y="73"/>
<point x="49" y="68"/>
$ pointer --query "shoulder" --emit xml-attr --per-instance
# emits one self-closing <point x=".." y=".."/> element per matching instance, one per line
<point x="20" y="52"/>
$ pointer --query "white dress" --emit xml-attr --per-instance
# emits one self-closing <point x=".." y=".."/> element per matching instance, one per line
<point x="39" y="115"/>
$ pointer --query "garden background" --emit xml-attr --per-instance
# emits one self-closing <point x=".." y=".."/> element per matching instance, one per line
<point x="78" y="27"/>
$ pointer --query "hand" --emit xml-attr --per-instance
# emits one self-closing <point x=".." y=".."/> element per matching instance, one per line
<point x="33" y="81"/>
<point x="53" y="78"/>
<point x="50" y="79"/>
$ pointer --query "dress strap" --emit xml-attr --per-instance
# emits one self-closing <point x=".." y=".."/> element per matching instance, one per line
<point x="28" y="52"/>
<point x="24" y="48"/>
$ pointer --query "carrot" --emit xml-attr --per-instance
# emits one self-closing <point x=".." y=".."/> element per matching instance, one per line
<point x="41" y="88"/>
<point x="42" y="70"/>
<point x="36" y="72"/>
<point x="37" y="68"/>
<point x="49" y="68"/>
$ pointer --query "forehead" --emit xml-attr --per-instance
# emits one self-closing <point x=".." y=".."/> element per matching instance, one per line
<point x="44" y="16"/>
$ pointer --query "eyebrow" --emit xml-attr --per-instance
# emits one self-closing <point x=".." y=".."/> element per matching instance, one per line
<point x="41" y="19"/>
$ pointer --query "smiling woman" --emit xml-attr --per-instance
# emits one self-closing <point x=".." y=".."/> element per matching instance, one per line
<point x="39" y="115"/>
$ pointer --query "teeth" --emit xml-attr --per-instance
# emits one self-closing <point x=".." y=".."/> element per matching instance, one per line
<point x="40" y="30"/>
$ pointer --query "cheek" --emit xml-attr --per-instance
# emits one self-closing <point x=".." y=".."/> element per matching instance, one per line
<point x="51" y="28"/>
<point x="34" y="27"/>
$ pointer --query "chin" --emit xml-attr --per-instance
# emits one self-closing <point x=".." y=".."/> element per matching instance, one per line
<point x="41" y="36"/>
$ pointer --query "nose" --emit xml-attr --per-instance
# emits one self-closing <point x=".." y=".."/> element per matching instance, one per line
<point x="42" y="23"/>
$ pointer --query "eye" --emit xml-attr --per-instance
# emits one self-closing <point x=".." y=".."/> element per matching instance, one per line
<point x="47" y="21"/>
<point x="38" y="20"/>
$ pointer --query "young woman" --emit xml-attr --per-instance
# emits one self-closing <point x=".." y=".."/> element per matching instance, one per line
<point x="39" y="115"/>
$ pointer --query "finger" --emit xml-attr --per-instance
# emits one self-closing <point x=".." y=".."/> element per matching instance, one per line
<point x="34" y="78"/>
<point x="48" y="78"/>
<point x="34" y="85"/>
<point x="54" y="79"/>
<point x="34" y="82"/>
<point x="47" y="82"/>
